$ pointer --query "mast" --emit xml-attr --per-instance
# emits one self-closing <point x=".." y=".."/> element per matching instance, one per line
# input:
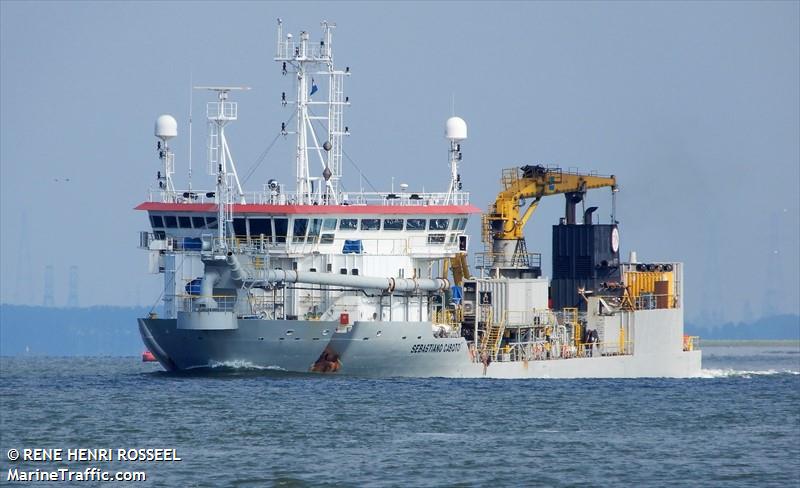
<point x="220" y="161"/>
<point x="319" y="123"/>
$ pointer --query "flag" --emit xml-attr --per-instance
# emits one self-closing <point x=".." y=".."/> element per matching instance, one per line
<point x="313" y="87"/>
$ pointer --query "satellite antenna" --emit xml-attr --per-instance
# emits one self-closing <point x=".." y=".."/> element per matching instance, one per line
<point x="455" y="131"/>
<point x="166" y="128"/>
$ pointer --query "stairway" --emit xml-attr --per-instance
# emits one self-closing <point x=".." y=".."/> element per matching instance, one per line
<point x="492" y="337"/>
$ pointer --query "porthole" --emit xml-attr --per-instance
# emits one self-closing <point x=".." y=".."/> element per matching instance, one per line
<point x="378" y="333"/>
<point x="289" y="332"/>
<point x="326" y="332"/>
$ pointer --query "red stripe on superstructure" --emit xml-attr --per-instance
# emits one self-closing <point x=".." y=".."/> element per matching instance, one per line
<point x="312" y="209"/>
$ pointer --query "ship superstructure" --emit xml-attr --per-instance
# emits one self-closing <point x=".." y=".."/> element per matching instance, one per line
<point x="320" y="279"/>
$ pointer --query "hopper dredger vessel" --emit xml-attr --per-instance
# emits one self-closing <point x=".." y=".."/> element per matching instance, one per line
<point x="322" y="280"/>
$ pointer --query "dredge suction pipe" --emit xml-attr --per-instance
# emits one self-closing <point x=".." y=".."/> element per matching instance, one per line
<point x="314" y="278"/>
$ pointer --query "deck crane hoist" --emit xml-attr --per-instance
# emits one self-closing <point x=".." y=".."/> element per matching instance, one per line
<point x="503" y="225"/>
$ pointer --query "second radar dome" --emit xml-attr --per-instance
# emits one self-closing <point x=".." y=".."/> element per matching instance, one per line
<point x="455" y="129"/>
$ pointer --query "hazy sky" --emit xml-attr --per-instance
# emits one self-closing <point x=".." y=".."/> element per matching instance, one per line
<point x="694" y="106"/>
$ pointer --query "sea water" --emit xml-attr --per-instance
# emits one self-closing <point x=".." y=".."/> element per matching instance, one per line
<point x="736" y="425"/>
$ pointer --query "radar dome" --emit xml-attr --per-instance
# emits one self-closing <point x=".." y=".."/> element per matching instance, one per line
<point x="166" y="127"/>
<point x="456" y="129"/>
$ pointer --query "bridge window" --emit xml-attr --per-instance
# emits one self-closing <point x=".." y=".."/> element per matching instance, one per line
<point x="459" y="224"/>
<point x="259" y="227"/>
<point x="326" y="239"/>
<point x="300" y="227"/>
<point x="184" y="222"/>
<point x="240" y="227"/>
<point x="313" y="229"/>
<point x="329" y="224"/>
<point x="370" y="224"/>
<point x="438" y="224"/>
<point x="211" y="222"/>
<point x="392" y="224"/>
<point x="198" y="222"/>
<point x="348" y="224"/>
<point x="415" y="224"/>
<point x="171" y="222"/>
<point x="156" y="221"/>
<point x="436" y="238"/>
<point x="281" y="227"/>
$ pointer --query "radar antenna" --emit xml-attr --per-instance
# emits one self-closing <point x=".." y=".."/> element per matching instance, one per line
<point x="309" y="63"/>
<point x="220" y="161"/>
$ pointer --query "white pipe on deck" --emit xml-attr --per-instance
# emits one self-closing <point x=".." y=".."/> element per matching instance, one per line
<point x="314" y="278"/>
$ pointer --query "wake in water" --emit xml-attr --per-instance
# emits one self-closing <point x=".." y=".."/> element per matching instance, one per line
<point x="733" y="373"/>
<point x="242" y="365"/>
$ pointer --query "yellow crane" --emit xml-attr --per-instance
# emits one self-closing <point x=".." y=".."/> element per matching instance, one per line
<point x="505" y="221"/>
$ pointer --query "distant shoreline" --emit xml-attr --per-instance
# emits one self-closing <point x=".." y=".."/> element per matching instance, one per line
<point x="110" y="331"/>
<point x="749" y="342"/>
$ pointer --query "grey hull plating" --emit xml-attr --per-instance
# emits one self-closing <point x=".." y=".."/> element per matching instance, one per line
<point x="392" y="349"/>
<point x="285" y="345"/>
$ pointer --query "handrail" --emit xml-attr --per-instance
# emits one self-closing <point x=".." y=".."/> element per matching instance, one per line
<point x="197" y="303"/>
<point x="267" y="197"/>
<point x="490" y="259"/>
<point x="548" y="351"/>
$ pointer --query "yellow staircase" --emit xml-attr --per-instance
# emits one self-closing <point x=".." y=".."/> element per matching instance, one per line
<point x="493" y="335"/>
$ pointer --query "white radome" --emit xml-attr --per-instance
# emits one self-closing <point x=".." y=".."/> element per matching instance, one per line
<point x="456" y="129"/>
<point x="166" y="127"/>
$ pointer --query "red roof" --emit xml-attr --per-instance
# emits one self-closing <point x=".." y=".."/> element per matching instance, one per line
<point x="312" y="209"/>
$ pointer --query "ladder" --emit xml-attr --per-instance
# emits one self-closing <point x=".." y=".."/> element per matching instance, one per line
<point x="570" y="315"/>
<point x="486" y="231"/>
<point x="492" y="337"/>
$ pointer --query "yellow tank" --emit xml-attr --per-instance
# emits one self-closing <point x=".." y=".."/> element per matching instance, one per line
<point x="642" y="282"/>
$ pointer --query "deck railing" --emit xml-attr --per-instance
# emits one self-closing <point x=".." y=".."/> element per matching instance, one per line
<point x="268" y="197"/>
<point x="209" y="303"/>
<point x="545" y="351"/>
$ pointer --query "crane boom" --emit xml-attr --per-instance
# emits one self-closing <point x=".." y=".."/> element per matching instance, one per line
<point x="506" y="219"/>
<point x="536" y="182"/>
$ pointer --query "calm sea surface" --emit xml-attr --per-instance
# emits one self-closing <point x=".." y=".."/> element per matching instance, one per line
<point x="738" y="425"/>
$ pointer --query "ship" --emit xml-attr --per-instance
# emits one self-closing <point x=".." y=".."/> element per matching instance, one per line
<point x="320" y="280"/>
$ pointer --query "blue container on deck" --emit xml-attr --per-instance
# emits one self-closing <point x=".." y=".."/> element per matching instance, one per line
<point x="193" y="287"/>
<point x="352" y="247"/>
<point x="192" y="243"/>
